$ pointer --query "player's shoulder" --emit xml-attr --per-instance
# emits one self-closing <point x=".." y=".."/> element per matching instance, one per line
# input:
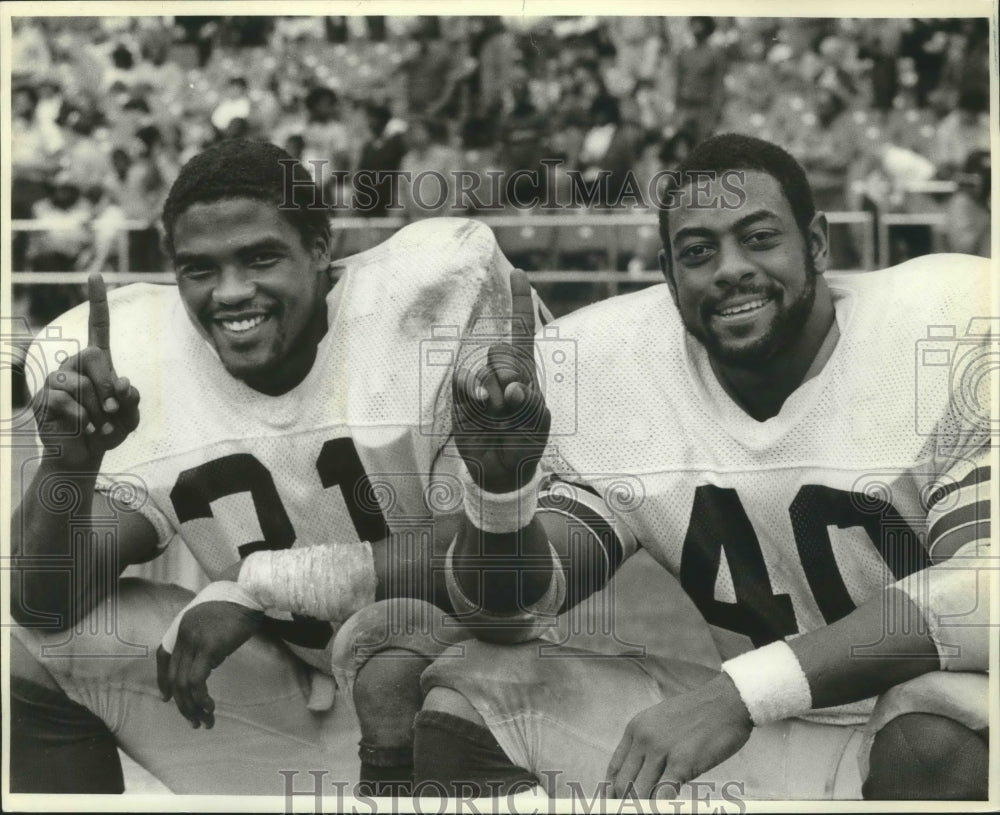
<point x="622" y="316"/>
<point x="927" y="279"/>
<point x="932" y="289"/>
<point x="428" y="248"/>
<point x="137" y="310"/>
<point x="435" y="272"/>
<point x="125" y="301"/>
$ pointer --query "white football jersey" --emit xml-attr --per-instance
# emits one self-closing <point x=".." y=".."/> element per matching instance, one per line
<point x="780" y="527"/>
<point x="345" y="455"/>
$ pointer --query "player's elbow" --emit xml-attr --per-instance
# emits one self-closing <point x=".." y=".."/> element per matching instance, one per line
<point x="504" y="610"/>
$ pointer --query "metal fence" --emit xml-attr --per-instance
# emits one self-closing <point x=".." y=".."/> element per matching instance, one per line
<point x="551" y="237"/>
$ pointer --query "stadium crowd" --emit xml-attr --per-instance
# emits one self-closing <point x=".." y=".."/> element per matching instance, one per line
<point x="106" y="110"/>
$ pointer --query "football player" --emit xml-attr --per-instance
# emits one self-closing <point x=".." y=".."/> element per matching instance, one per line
<point x="291" y="436"/>
<point x="822" y="499"/>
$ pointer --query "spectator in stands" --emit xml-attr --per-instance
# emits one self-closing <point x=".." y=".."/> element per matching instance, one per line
<point x="58" y="248"/>
<point x="522" y="140"/>
<point x="700" y="73"/>
<point x="428" y="70"/>
<point x="496" y="52"/>
<point x="963" y="131"/>
<point x="966" y="72"/>
<point x="429" y="152"/>
<point x="34" y="148"/>
<point x="967" y="227"/>
<point x="147" y="181"/>
<point x="381" y="156"/>
<point x="325" y="134"/>
<point x="84" y="157"/>
<point x="825" y="146"/>
<point x="201" y="32"/>
<point x="607" y="148"/>
<point x="235" y="104"/>
<point x="676" y="148"/>
<point x="479" y="156"/>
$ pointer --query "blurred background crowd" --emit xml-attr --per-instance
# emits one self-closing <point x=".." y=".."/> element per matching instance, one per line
<point x="886" y="115"/>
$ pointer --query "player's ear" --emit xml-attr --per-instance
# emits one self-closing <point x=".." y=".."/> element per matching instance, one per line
<point x="668" y="273"/>
<point x="818" y="236"/>
<point x="321" y="250"/>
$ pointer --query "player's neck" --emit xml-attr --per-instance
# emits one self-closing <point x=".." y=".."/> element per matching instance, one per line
<point x="762" y="391"/>
<point x="296" y="366"/>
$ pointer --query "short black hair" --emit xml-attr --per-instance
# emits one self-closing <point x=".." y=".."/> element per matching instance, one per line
<point x="247" y="168"/>
<point x="734" y="151"/>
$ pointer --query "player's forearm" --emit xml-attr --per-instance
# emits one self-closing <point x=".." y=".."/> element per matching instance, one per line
<point x="934" y="619"/>
<point x="51" y="575"/>
<point x="505" y="572"/>
<point x="880" y="644"/>
<point x="505" y="587"/>
<point x="332" y="580"/>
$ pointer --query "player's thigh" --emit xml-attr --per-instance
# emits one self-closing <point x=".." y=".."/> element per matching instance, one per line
<point x="556" y="711"/>
<point x="107" y="664"/>
<point x="561" y="712"/>
<point x="112" y="646"/>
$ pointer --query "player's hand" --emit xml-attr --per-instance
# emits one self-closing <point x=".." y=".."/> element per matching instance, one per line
<point x="500" y="421"/>
<point x="678" y="740"/>
<point x="208" y="633"/>
<point x="84" y="407"/>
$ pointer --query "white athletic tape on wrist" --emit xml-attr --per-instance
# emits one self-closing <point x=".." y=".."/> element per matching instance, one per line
<point x="528" y="623"/>
<point x="501" y="512"/>
<point x="771" y="683"/>
<point x="328" y="582"/>
<point x="225" y="590"/>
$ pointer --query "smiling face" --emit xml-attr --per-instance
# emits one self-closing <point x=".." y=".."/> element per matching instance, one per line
<point x="253" y="288"/>
<point x="744" y="279"/>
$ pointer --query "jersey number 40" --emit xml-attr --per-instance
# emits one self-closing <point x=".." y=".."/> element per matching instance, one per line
<point x="720" y="523"/>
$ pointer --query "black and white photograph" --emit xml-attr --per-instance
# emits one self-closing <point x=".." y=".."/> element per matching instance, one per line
<point x="520" y="411"/>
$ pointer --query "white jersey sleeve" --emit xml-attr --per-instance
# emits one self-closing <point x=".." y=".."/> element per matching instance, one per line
<point x="780" y="527"/>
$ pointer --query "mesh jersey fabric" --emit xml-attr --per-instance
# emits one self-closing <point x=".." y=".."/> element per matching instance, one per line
<point x="777" y="528"/>
<point x="343" y="455"/>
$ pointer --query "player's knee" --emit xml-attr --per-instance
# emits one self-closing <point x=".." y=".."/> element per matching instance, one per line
<point x="388" y="624"/>
<point x="387" y="695"/>
<point x="449" y="700"/>
<point x="924" y="756"/>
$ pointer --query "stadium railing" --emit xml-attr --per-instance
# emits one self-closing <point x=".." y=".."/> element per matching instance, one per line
<point x="551" y="237"/>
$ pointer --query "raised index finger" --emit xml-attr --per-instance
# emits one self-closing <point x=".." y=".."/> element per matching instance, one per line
<point x="100" y="315"/>
<point x="522" y="313"/>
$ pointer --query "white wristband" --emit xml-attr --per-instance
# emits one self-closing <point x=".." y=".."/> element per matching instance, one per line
<point x="225" y="590"/>
<point x="327" y="582"/>
<point x="501" y="512"/>
<point x="771" y="683"/>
